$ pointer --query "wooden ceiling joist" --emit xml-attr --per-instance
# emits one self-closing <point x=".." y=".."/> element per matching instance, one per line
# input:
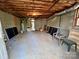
<point x="44" y="8"/>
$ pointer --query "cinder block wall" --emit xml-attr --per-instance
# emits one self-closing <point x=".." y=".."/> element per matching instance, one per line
<point x="66" y="20"/>
<point x="9" y="20"/>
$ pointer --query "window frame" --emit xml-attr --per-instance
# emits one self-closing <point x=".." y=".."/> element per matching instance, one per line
<point x="76" y="18"/>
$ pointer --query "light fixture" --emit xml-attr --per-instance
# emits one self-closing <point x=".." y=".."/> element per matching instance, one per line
<point x="34" y="14"/>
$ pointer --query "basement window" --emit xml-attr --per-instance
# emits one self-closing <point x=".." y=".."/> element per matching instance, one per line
<point x="77" y="23"/>
<point x="76" y="18"/>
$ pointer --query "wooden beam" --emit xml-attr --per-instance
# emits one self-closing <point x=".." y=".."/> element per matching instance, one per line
<point x="28" y="3"/>
<point x="53" y="4"/>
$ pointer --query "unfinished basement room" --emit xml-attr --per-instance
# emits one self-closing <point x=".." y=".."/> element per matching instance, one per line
<point x="39" y="29"/>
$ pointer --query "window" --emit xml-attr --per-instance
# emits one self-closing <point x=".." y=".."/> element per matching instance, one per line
<point x="76" y="18"/>
<point x="77" y="23"/>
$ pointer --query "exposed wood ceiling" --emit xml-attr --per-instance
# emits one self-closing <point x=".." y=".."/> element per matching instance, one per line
<point x="35" y="8"/>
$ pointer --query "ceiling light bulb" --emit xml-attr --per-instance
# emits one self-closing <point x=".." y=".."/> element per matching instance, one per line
<point x="34" y="13"/>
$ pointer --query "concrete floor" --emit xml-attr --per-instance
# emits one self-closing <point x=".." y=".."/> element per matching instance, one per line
<point x="38" y="45"/>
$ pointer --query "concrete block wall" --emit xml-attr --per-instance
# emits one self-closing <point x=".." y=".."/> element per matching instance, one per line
<point x="66" y="21"/>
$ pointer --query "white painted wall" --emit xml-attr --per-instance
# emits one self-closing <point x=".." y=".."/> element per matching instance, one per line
<point x="3" y="51"/>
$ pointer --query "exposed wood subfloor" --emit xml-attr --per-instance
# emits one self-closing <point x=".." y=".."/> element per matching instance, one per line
<point x="38" y="45"/>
